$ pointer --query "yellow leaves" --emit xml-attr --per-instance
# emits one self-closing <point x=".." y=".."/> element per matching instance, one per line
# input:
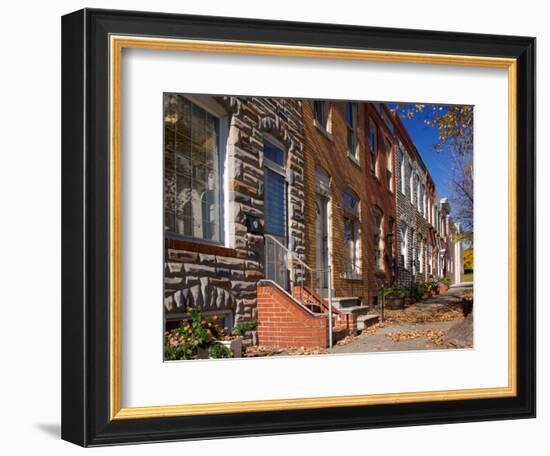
<point x="435" y="336"/>
<point x="420" y="315"/>
<point x="260" y="350"/>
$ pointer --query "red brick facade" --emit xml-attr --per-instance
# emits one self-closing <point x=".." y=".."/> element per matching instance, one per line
<point x="380" y="193"/>
<point x="284" y="322"/>
<point x="327" y="150"/>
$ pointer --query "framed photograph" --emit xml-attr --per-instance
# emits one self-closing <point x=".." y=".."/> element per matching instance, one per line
<point x="274" y="227"/>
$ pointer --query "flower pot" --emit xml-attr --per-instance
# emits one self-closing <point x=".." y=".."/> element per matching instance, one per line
<point x="426" y="295"/>
<point x="394" y="302"/>
<point x="202" y="353"/>
<point x="235" y="345"/>
<point x="443" y="288"/>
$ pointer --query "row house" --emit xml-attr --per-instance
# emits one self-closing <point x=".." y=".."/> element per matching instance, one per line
<point x="279" y="210"/>
<point x="233" y="173"/>
<point x="425" y="232"/>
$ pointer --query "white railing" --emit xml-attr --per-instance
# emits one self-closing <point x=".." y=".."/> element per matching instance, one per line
<point x="289" y="272"/>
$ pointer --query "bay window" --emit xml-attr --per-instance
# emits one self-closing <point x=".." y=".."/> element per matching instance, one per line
<point x="192" y="183"/>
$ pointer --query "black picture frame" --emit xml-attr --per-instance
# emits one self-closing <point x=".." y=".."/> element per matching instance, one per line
<point x="85" y="223"/>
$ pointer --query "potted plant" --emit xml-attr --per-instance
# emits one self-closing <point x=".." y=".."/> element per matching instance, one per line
<point x="444" y="285"/>
<point x="394" y="298"/>
<point x="434" y="287"/>
<point x="425" y="290"/>
<point x="234" y="341"/>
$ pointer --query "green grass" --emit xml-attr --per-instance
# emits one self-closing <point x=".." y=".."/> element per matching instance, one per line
<point x="469" y="277"/>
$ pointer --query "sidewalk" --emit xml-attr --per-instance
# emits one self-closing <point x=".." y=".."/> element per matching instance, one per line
<point x="422" y="326"/>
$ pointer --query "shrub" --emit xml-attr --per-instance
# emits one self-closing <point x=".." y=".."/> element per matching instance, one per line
<point x="193" y="333"/>
<point x="445" y="281"/>
<point x="218" y="350"/>
<point x="241" y="328"/>
<point x="394" y="292"/>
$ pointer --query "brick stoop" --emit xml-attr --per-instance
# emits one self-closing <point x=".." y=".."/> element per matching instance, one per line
<point x="285" y="322"/>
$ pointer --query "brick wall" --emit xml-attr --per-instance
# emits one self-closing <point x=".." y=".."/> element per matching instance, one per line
<point x="328" y="152"/>
<point x="284" y="322"/>
<point x="378" y="196"/>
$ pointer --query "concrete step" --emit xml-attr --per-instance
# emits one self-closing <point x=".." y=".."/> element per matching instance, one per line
<point x="357" y="310"/>
<point x="364" y="321"/>
<point x="346" y="302"/>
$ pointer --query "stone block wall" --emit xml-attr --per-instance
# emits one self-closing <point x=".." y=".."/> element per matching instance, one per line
<point x="224" y="277"/>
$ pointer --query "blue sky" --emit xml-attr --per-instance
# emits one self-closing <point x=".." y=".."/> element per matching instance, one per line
<point x="425" y="138"/>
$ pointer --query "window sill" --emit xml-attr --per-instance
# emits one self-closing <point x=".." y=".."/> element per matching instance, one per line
<point x="323" y="130"/>
<point x="352" y="277"/>
<point x="197" y="246"/>
<point x="354" y="159"/>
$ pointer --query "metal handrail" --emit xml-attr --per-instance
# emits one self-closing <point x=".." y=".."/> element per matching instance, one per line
<point x="293" y="254"/>
<point x="293" y="257"/>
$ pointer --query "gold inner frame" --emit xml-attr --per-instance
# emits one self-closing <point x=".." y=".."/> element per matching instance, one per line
<point x="117" y="44"/>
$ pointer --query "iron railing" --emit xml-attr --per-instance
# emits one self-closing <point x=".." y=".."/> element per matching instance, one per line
<point x="288" y="271"/>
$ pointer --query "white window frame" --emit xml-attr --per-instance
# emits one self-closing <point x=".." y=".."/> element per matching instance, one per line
<point x="410" y="168"/>
<point x="357" y="271"/>
<point x="404" y="244"/>
<point x="403" y="181"/>
<point x="324" y="125"/>
<point x="421" y="256"/>
<point x="210" y="105"/>
<point x="418" y="194"/>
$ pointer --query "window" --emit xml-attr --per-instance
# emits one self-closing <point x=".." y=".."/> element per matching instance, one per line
<point x="389" y="250"/>
<point x="320" y="113"/>
<point x="418" y="194"/>
<point x="389" y="165"/>
<point x="378" y="243"/>
<point x="413" y="252"/>
<point x="191" y="170"/>
<point x="352" y="247"/>
<point x="430" y="259"/>
<point x="275" y="190"/>
<point x="420" y="256"/>
<point x="424" y="197"/>
<point x="404" y="245"/>
<point x="373" y="146"/>
<point x="411" y="183"/>
<point x="351" y="126"/>
<point x="402" y="170"/>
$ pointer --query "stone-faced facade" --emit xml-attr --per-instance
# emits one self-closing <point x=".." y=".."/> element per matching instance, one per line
<point x="406" y="210"/>
<point x="226" y="160"/>
<point x="424" y="227"/>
